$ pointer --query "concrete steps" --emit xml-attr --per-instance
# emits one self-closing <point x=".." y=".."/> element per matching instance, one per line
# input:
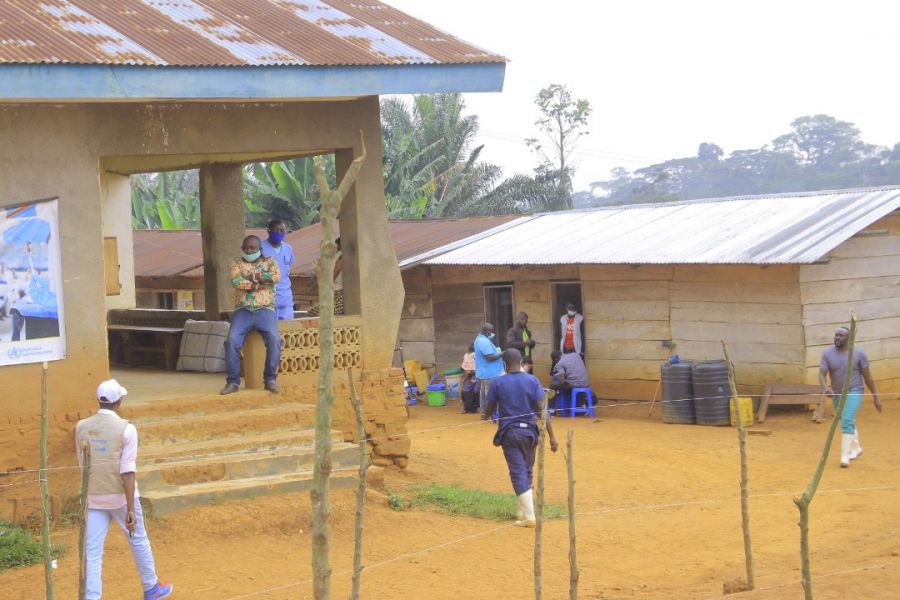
<point x="160" y="502"/>
<point x="212" y="449"/>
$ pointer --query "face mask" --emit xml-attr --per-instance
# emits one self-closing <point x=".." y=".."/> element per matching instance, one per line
<point x="276" y="238"/>
<point x="251" y="257"/>
<point x="571" y="313"/>
<point x="491" y="335"/>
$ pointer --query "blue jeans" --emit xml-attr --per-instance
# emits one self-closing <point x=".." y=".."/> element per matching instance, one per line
<point x="851" y="407"/>
<point x="95" y="535"/>
<point x="244" y="321"/>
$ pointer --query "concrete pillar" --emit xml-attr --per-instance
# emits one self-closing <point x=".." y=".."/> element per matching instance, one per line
<point x="222" y="228"/>
<point x="373" y="287"/>
<point x="115" y="196"/>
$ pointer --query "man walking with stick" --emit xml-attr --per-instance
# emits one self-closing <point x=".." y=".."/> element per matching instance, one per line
<point x="834" y="366"/>
<point x="519" y="397"/>
<point x="113" y="494"/>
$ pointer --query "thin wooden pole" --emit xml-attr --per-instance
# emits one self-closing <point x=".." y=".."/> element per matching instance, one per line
<point x="45" y="493"/>
<point x="745" y="478"/>
<point x="361" y="487"/>
<point x="82" y="525"/>
<point x="804" y="501"/>
<point x="321" y="489"/>
<point x="573" y="559"/>
<point x="539" y="502"/>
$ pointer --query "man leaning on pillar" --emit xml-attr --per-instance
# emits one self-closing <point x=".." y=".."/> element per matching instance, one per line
<point x="254" y="278"/>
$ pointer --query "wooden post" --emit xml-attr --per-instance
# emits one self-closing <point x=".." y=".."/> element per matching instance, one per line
<point x="361" y="487"/>
<point x="804" y="501"/>
<point x="45" y="495"/>
<point x="82" y="525"/>
<point x="745" y="479"/>
<point x="573" y="560"/>
<point x="321" y="489"/>
<point x="539" y="502"/>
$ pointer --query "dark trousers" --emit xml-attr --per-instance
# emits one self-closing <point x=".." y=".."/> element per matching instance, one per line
<point x="470" y="401"/>
<point x="519" y="445"/>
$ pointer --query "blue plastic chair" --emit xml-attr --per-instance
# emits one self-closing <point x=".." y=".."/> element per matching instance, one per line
<point x="569" y="401"/>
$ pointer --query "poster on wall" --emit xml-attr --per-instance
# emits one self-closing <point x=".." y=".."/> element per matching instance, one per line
<point x="32" y="327"/>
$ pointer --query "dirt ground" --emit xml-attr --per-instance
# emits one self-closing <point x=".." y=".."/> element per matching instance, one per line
<point x="659" y="517"/>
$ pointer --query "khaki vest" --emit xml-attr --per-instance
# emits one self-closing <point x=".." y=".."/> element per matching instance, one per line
<point x="104" y="433"/>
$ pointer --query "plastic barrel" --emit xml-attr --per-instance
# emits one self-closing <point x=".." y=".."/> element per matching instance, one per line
<point x="712" y="394"/>
<point x="454" y="381"/>
<point x="677" y="393"/>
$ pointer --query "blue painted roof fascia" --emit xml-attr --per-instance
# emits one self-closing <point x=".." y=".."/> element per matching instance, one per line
<point x="122" y="82"/>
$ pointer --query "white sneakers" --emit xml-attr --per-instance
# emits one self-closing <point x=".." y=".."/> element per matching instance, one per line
<point x="525" y="510"/>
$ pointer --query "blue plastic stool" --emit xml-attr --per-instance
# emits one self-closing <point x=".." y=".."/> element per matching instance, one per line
<point x="571" y="398"/>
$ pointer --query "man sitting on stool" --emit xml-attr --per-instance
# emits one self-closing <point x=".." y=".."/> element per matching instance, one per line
<point x="570" y="373"/>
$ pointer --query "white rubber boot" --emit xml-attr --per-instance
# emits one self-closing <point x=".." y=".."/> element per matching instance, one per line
<point x="520" y="508"/>
<point x="528" y="519"/>
<point x="846" y="443"/>
<point x="855" y="449"/>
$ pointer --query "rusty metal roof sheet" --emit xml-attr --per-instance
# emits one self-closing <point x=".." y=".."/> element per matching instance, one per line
<point x="775" y="229"/>
<point x="224" y="33"/>
<point x="180" y="253"/>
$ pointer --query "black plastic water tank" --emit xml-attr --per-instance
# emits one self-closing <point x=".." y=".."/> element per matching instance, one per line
<point x="712" y="394"/>
<point x="677" y="393"/>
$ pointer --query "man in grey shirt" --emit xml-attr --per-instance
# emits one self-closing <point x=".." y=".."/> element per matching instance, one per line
<point x="834" y="365"/>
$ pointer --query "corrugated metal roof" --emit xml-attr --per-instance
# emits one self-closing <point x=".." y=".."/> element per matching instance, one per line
<point x="777" y="229"/>
<point x="224" y="33"/>
<point x="180" y="253"/>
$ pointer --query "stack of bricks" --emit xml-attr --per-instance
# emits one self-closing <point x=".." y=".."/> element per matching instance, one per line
<point x="384" y="407"/>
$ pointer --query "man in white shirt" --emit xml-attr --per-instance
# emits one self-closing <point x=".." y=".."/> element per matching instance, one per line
<point x="113" y="493"/>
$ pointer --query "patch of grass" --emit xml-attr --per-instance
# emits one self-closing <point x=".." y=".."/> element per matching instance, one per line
<point x="454" y="499"/>
<point x="19" y="549"/>
<point x="396" y="502"/>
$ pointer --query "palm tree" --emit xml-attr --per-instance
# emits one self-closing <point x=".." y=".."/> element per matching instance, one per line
<point x="430" y="167"/>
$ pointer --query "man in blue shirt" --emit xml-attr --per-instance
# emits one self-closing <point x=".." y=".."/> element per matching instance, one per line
<point x="488" y="365"/>
<point x="277" y="249"/>
<point x="518" y="397"/>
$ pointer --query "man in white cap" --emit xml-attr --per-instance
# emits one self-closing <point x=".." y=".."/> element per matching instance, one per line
<point x="113" y="493"/>
<point x="835" y="365"/>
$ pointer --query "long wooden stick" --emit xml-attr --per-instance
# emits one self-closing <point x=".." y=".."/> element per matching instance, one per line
<point x="804" y="501"/>
<point x="45" y="493"/>
<point x="573" y="559"/>
<point x="361" y="487"/>
<point x="82" y="525"/>
<point x="321" y="489"/>
<point x="745" y="478"/>
<point x="539" y="502"/>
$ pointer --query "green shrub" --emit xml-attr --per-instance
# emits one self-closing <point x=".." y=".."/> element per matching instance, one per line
<point x="19" y="549"/>
<point x="454" y="499"/>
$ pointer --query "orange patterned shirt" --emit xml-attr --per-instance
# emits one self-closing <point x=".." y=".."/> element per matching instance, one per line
<point x="264" y="273"/>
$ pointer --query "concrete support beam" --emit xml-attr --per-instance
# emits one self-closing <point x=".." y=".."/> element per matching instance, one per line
<point x="372" y="283"/>
<point x="222" y="228"/>
<point x="115" y="196"/>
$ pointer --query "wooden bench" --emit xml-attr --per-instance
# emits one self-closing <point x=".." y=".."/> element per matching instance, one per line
<point x="128" y="343"/>
<point x="793" y="393"/>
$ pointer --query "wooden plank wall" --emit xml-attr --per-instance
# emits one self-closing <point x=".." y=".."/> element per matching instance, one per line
<point x="862" y="275"/>
<point x="626" y="312"/>
<point x="459" y="308"/>
<point x="416" y="335"/>
<point x="754" y="309"/>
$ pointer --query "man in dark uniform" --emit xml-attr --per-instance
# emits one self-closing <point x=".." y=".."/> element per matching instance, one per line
<point x="518" y="397"/>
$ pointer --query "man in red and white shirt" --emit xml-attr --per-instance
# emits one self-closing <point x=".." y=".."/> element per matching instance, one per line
<point x="572" y="331"/>
<point x="112" y="492"/>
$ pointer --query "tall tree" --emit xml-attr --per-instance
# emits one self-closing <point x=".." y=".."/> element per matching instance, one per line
<point x="822" y="142"/>
<point x="432" y="167"/>
<point x="562" y="123"/>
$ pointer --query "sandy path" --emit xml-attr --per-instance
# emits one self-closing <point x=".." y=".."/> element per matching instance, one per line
<point x="660" y="519"/>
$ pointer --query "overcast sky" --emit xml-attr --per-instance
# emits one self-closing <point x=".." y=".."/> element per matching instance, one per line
<point x="664" y="76"/>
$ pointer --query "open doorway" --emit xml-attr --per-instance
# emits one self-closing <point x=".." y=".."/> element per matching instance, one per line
<point x="499" y="300"/>
<point x="561" y="294"/>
